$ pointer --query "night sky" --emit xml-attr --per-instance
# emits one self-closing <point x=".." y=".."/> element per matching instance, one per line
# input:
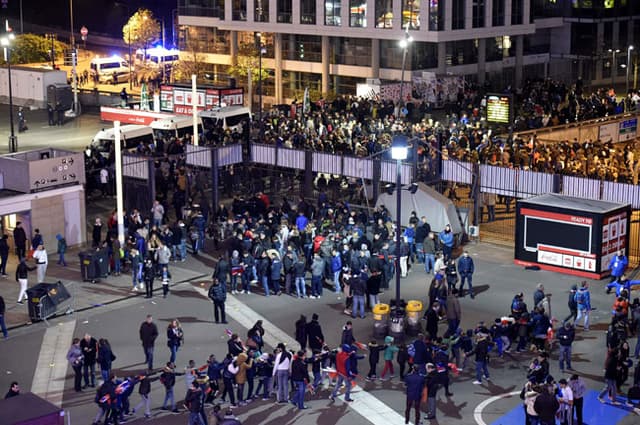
<point x="99" y="16"/>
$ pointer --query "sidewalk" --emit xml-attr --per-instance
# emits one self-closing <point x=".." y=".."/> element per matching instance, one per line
<point x="87" y="295"/>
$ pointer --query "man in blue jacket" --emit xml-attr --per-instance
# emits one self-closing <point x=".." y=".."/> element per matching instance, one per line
<point x="446" y="241"/>
<point x="415" y="383"/>
<point x="465" y="270"/>
<point x="617" y="265"/>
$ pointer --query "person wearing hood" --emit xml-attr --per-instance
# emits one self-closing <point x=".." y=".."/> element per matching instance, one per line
<point x="446" y="241"/>
<point x="42" y="261"/>
<point x="244" y="363"/>
<point x="583" y="302"/>
<point x="218" y="295"/>
<point x="345" y="373"/>
<point x="281" y="369"/>
<point x="62" y="248"/>
<point x="347" y="334"/>
<point x="415" y="385"/>
<point x="466" y="269"/>
<point x="390" y="349"/>
<point x="617" y="265"/>
<point x="571" y="303"/>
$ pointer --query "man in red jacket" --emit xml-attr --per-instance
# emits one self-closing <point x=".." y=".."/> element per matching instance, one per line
<point x="342" y="367"/>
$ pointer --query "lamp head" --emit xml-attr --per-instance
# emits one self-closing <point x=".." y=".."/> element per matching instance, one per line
<point x="399" y="147"/>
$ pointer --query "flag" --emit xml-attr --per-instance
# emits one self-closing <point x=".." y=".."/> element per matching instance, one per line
<point x="306" y="103"/>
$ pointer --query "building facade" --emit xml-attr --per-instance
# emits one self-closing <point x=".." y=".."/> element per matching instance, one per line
<point x="331" y="45"/>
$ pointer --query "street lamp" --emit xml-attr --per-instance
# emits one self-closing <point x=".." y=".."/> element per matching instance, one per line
<point x="399" y="152"/>
<point x="404" y="45"/>
<point x="629" y="49"/>
<point x="5" y="42"/>
<point x="262" y="51"/>
<point x="613" y="65"/>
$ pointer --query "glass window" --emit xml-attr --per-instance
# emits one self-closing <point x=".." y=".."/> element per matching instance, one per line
<point x="306" y="48"/>
<point x="436" y="15"/>
<point x="497" y="13"/>
<point x="411" y="14"/>
<point x="478" y="13"/>
<point x="284" y="11"/>
<point x="458" y="9"/>
<point x="262" y="11"/>
<point x="239" y="10"/>
<point x="353" y="51"/>
<point x="203" y="40"/>
<point x="462" y="52"/>
<point x="517" y="12"/>
<point x="308" y="12"/>
<point x="358" y="13"/>
<point x="294" y="83"/>
<point x="384" y="14"/>
<point x="583" y="38"/>
<point x="332" y="10"/>
<point x="424" y="55"/>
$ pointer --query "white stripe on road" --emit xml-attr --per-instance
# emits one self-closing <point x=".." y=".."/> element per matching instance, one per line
<point x="365" y="404"/>
<point x="51" y="369"/>
<point x="477" y="413"/>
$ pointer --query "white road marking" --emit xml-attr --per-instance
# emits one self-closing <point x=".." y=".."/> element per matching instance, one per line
<point x="365" y="404"/>
<point x="477" y="413"/>
<point x="51" y="369"/>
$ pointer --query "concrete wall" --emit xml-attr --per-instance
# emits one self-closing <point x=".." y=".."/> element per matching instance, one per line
<point x="47" y="214"/>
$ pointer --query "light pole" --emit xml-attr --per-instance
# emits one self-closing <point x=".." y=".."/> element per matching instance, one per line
<point x="5" y="41"/>
<point x="399" y="152"/>
<point x="629" y="49"/>
<point x="613" y="65"/>
<point x="404" y="45"/>
<point x="261" y="52"/>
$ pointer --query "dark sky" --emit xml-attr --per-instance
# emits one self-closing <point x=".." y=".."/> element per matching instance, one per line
<point x="99" y="16"/>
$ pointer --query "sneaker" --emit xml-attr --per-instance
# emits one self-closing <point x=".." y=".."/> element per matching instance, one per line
<point x="141" y="286"/>
<point x="349" y="400"/>
<point x="265" y="398"/>
<point x="616" y="403"/>
<point x="332" y="398"/>
<point x="487" y="378"/>
<point x="477" y="383"/>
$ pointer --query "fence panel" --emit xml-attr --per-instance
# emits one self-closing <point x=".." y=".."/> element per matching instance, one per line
<point x="361" y="168"/>
<point x="198" y="156"/>
<point x="327" y="163"/>
<point x="622" y="193"/>
<point x="580" y="187"/>
<point x="263" y="154"/>
<point x="457" y="171"/>
<point x="534" y="183"/>
<point x="388" y="172"/>
<point x="231" y="154"/>
<point x="498" y="180"/>
<point x="291" y="158"/>
<point x="135" y="166"/>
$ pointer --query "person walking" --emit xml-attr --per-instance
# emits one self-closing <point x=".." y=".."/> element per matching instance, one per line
<point x="610" y="375"/>
<point x="453" y="311"/>
<point x="4" y="255"/>
<point x="168" y="380"/>
<point x="62" y="249"/>
<point x="75" y="359"/>
<point x="144" y="389"/>
<point x="281" y="368"/>
<point x="299" y="377"/>
<point x="193" y="402"/>
<point x="583" y="301"/>
<point x="344" y="373"/>
<point x="42" y="260"/>
<point x="414" y="383"/>
<point x="149" y="275"/>
<point x="89" y="347"/>
<point x="218" y="295"/>
<point x="20" y="240"/>
<point x="148" y="334"/>
<point x="314" y="333"/>
<point x="358" y="290"/>
<point x="465" y="270"/>
<point x="175" y="337"/>
<point x="481" y="351"/>
<point x="571" y="303"/>
<point x="3" y="326"/>
<point x="579" y="389"/>
<point x="617" y="265"/>
<point x="566" y="334"/>
<point x="21" y="277"/>
<point x="301" y="332"/>
<point x="433" y="385"/>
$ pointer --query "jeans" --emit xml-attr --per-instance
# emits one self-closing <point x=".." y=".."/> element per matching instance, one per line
<point x="60" y="260"/>
<point x="431" y="407"/>
<point x="195" y="418"/>
<point x="481" y="367"/>
<point x="609" y="388"/>
<point x="183" y="249"/>
<point x="316" y="286"/>
<point x="373" y="300"/>
<point x="265" y="384"/>
<point x="446" y="251"/>
<point x="228" y="389"/>
<point x="419" y="252"/>
<point x="282" y="378"/>
<point x="636" y="352"/>
<point x="148" y="355"/>
<point x="336" y="281"/>
<point x="298" y="397"/>
<point x="174" y="352"/>
<point x="218" y="311"/>
<point x="429" y="262"/>
<point x="301" y="287"/>
<point x="265" y="285"/>
<point x="358" y="305"/>
<point x="583" y="312"/>
<point x="105" y="374"/>
<point x="453" y="325"/>
<point x="145" y="401"/>
<point x="116" y="262"/>
<point x="317" y="380"/>
<point x="169" y="396"/>
<point x="565" y="354"/>
<point x="468" y="278"/>
<point x="3" y="326"/>
<point x="347" y="381"/>
<point x="240" y="392"/>
<point x="89" y="367"/>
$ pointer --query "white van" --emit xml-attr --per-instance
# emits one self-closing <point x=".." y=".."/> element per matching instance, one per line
<point x="174" y="127"/>
<point x="109" y="68"/>
<point x="130" y="136"/>
<point x="157" y="56"/>
<point x="228" y="117"/>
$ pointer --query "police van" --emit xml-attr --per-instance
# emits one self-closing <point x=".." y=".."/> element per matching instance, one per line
<point x="228" y="117"/>
<point x="108" y="69"/>
<point x="131" y="135"/>
<point x="176" y="127"/>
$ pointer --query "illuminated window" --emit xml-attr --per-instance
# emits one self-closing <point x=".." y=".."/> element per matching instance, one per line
<point x="332" y="10"/>
<point x="262" y="11"/>
<point x="239" y="10"/>
<point x="384" y="14"/>
<point x="411" y="14"/>
<point x="358" y="13"/>
<point x="436" y="15"/>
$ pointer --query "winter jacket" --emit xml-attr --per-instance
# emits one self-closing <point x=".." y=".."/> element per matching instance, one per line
<point x="336" y="263"/>
<point x="299" y="371"/>
<point x="453" y="308"/>
<point x="347" y="336"/>
<point x="174" y="337"/>
<point x="317" y="267"/>
<point x="617" y="265"/>
<point x="583" y="299"/>
<point x="359" y="285"/>
<point x="105" y="357"/>
<point x="217" y="292"/>
<point x="465" y="266"/>
<point x="243" y="366"/>
<point x="566" y="336"/>
<point x="373" y="284"/>
<point x="390" y="348"/>
<point x="429" y="246"/>
<point x="148" y="334"/>
<point x="22" y="270"/>
<point x="446" y="238"/>
<point x="482" y="350"/>
<point x="276" y="269"/>
<point x="163" y="255"/>
<point x="415" y="384"/>
<point x="314" y="333"/>
<point x="299" y="268"/>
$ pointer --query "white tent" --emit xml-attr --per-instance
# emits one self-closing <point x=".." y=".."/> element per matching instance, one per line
<point x="427" y="202"/>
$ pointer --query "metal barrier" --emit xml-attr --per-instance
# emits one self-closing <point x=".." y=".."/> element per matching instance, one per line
<point x="456" y="171"/>
<point x="135" y="166"/>
<point x="290" y="158"/>
<point x="228" y="155"/>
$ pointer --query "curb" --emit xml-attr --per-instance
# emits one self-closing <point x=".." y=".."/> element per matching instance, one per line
<point x="116" y="300"/>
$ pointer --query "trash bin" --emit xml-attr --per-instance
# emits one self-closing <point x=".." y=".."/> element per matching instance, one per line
<point x="397" y="321"/>
<point x="88" y="269"/>
<point x="35" y="295"/>
<point x="414" y="308"/>
<point x="102" y="262"/>
<point x="380" y="320"/>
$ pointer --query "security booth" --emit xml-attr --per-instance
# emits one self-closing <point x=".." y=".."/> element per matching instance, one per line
<point x="570" y="235"/>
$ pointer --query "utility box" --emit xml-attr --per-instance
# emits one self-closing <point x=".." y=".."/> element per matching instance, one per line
<point x="570" y="235"/>
<point x="60" y="93"/>
<point x="29" y="85"/>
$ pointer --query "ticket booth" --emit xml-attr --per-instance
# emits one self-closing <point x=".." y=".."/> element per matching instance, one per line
<point x="570" y="235"/>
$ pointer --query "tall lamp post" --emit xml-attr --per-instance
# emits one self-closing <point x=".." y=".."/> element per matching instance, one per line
<point x="404" y="45"/>
<point x="261" y="51"/>
<point x="629" y="49"/>
<point x="613" y="65"/>
<point x="399" y="152"/>
<point x="5" y="42"/>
